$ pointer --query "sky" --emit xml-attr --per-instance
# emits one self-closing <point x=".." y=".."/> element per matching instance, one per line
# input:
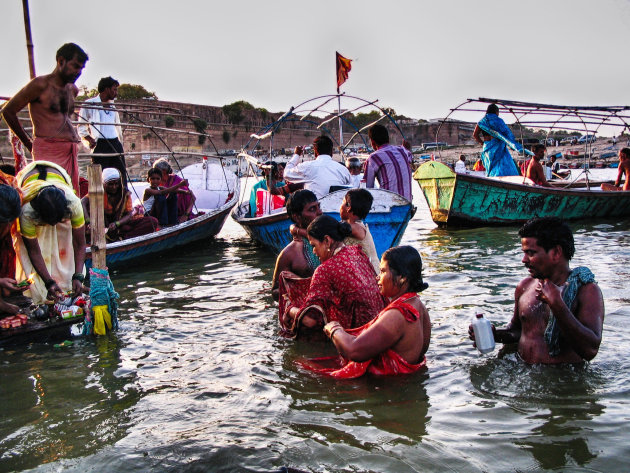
<point x="419" y="57"/>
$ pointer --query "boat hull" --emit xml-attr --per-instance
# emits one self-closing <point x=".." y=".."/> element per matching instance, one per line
<point x="465" y="200"/>
<point x="387" y="220"/>
<point x="201" y="228"/>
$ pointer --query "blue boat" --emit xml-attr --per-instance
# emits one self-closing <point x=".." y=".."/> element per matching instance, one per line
<point x="216" y="196"/>
<point x="387" y="220"/>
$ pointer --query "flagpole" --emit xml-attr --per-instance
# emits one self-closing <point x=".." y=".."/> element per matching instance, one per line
<point x="340" y="125"/>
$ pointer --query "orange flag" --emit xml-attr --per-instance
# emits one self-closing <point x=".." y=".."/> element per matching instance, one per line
<point x="343" y="67"/>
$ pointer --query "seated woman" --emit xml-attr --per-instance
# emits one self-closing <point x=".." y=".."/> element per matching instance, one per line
<point x="272" y="181"/>
<point x="343" y="287"/>
<point x="154" y="197"/>
<point x="180" y="205"/>
<point x="121" y="220"/>
<point x="396" y="341"/>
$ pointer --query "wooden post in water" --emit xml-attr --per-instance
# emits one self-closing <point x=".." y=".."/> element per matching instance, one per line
<point x="97" y="216"/>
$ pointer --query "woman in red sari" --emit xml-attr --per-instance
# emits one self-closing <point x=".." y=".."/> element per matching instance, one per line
<point x="396" y="341"/>
<point x="343" y="287"/>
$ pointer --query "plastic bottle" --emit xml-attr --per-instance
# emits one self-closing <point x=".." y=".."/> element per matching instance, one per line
<point x="484" y="338"/>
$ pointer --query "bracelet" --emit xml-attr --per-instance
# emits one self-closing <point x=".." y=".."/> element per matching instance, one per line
<point x="78" y="277"/>
<point x="331" y="327"/>
<point x="334" y="331"/>
<point x="50" y="283"/>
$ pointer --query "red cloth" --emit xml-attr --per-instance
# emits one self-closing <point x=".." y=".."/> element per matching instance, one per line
<point x="343" y="288"/>
<point x="387" y="363"/>
<point x="344" y="66"/>
<point x="183" y="200"/>
<point x="7" y="252"/>
<point x="61" y="152"/>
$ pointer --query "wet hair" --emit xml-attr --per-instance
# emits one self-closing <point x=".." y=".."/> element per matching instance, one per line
<point x="10" y="204"/>
<point x="360" y="202"/>
<point x="626" y="151"/>
<point x="549" y="233"/>
<point x="327" y="225"/>
<point x="379" y="134"/>
<point x="462" y="157"/>
<point x="154" y="171"/>
<point x="539" y="146"/>
<point x="353" y="163"/>
<point x="69" y="50"/>
<point x="8" y="169"/>
<point x="323" y="145"/>
<point x="51" y="205"/>
<point x="493" y="108"/>
<point x="405" y="261"/>
<point x="298" y="200"/>
<point x="106" y="83"/>
<point x="162" y="165"/>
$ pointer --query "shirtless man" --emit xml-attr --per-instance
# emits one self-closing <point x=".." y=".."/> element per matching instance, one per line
<point x="624" y="168"/>
<point x="303" y="208"/>
<point x="535" y="170"/>
<point x="558" y="312"/>
<point x="50" y="100"/>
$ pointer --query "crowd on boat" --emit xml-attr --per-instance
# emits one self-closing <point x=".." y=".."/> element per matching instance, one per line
<point x="327" y="280"/>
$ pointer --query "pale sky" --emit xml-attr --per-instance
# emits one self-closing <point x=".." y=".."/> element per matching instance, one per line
<point x="419" y="57"/>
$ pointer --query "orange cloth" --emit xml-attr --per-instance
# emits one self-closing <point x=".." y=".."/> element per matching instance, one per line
<point x="61" y="152"/>
<point x="386" y="363"/>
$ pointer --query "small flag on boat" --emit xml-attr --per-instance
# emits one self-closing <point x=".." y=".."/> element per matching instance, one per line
<point x="343" y="67"/>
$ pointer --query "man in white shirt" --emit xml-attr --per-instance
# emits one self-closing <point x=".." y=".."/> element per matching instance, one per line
<point x="99" y="126"/>
<point x="460" y="166"/>
<point x="322" y="173"/>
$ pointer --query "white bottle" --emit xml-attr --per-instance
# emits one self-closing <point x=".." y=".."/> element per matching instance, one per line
<point x="484" y="338"/>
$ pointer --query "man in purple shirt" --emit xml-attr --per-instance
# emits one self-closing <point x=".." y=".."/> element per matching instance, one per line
<point x="391" y="165"/>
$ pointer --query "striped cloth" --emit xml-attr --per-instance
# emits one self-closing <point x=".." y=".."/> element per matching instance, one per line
<point x="391" y="165"/>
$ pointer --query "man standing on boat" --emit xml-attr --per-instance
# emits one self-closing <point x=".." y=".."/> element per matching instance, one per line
<point x="322" y="173"/>
<point x="535" y="170"/>
<point x="389" y="164"/>
<point x="496" y="137"/>
<point x="99" y="126"/>
<point x="50" y="99"/>
<point x="298" y="257"/>
<point x="559" y="311"/>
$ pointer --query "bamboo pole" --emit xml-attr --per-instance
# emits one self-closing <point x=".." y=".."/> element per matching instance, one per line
<point x="97" y="216"/>
<point x="29" y="39"/>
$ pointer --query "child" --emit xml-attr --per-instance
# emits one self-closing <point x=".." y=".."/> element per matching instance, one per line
<point x="354" y="167"/>
<point x="154" y="198"/>
<point x="354" y="208"/>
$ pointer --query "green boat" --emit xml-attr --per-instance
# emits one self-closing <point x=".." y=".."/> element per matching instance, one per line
<point x="466" y="200"/>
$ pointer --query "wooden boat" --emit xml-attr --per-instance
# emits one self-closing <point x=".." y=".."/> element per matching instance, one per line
<point x="468" y="200"/>
<point x="333" y="116"/>
<point x="387" y="220"/>
<point x="216" y="190"/>
<point x="40" y="331"/>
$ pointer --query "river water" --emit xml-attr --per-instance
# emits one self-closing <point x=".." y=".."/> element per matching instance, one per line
<point x="197" y="380"/>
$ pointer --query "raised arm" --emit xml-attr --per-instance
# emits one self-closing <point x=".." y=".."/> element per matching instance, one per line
<point x="581" y="331"/>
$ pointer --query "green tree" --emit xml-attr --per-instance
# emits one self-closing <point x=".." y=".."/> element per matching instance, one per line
<point x="234" y="111"/>
<point x="134" y="91"/>
<point x="362" y="119"/>
<point x="169" y="121"/>
<point x="226" y="136"/>
<point x="200" y="126"/>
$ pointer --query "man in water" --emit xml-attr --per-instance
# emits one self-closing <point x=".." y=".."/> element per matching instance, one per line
<point x="558" y="311"/>
<point x="298" y="257"/>
<point x="322" y="173"/>
<point x="624" y="168"/>
<point x="496" y="137"/>
<point x="50" y="100"/>
<point x="389" y="164"/>
<point x="100" y="127"/>
<point x="535" y="170"/>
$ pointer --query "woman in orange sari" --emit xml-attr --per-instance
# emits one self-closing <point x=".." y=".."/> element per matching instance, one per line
<point x="395" y="342"/>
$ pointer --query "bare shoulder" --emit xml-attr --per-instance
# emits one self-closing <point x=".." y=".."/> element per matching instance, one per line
<point x="524" y="285"/>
